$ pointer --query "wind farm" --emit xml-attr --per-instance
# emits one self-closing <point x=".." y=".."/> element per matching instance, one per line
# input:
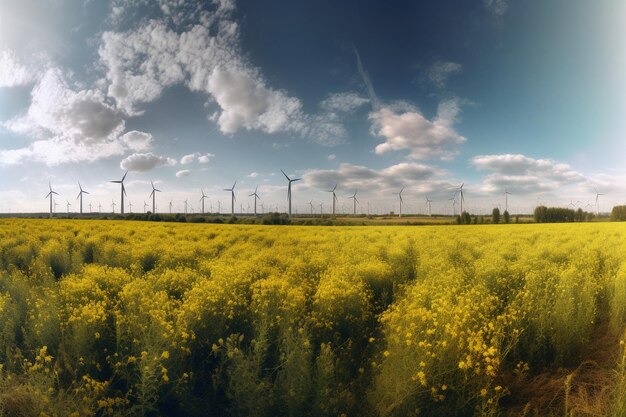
<point x="316" y="209"/>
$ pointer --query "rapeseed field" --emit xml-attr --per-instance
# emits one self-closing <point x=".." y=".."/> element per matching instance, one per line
<point x="120" y="318"/>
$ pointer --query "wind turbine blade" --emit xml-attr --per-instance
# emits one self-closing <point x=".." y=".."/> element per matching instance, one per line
<point x="78" y="195"/>
<point x="288" y="179"/>
<point x="54" y="192"/>
<point x="124" y="177"/>
<point x="235" y="183"/>
<point x="297" y="179"/>
<point x="48" y="195"/>
<point x="85" y="192"/>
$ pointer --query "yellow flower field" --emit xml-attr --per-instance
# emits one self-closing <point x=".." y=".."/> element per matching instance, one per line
<point x="128" y="318"/>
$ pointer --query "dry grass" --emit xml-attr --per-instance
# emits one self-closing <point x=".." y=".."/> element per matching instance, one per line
<point x="584" y="391"/>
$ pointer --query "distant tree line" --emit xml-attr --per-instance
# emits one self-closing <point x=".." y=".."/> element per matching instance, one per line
<point x="618" y="214"/>
<point x="545" y="214"/>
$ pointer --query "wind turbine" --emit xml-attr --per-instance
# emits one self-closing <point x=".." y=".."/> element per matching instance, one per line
<point x="113" y="205"/>
<point x="99" y="208"/>
<point x="219" y="206"/>
<point x="355" y="200"/>
<point x="428" y="201"/>
<point x="186" y="203"/>
<point x="123" y="192"/>
<point x="400" y="198"/>
<point x="153" y="195"/>
<point x="145" y="205"/>
<point x="322" y="210"/>
<point x="202" y="199"/>
<point x="170" y="204"/>
<point x="453" y="199"/>
<point x="311" y="204"/>
<point x="90" y="208"/>
<point x="130" y="206"/>
<point x="598" y="203"/>
<point x="256" y="197"/>
<point x="80" y="195"/>
<point x="334" y="197"/>
<point x="232" y="198"/>
<point x="289" y="188"/>
<point x="462" y="199"/>
<point x="68" y="206"/>
<point x="55" y="206"/>
<point x="506" y="199"/>
<point x="50" y="194"/>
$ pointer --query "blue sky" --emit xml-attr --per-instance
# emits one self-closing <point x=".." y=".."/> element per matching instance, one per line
<point x="375" y="96"/>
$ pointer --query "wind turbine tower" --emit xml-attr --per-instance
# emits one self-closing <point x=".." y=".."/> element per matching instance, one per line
<point x="462" y="197"/>
<point x="204" y="196"/>
<point x="80" y="195"/>
<point x="256" y="197"/>
<point x="400" y="199"/>
<point x="50" y="195"/>
<point x="506" y="200"/>
<point x="289" y="189"/>
<point x="428" y="201"/>
<point x="68" y="206"/>
<point x="123" y="192"/>
<point x="598" y="203"/>
<point x="232" y="198"/>
<point x="334" y="198"/>
<point x="354" y="201"/>
<point x="153" y="195"/>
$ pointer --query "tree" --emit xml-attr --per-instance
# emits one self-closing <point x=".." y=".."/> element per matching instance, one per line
<point x="618" y="214"/>
<point x="507" y="216"/>
<point x="495" y="216"/>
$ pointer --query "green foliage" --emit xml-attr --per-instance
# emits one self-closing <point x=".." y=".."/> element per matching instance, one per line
<point x="495" y="215"/>
<point x="618" y="214"/>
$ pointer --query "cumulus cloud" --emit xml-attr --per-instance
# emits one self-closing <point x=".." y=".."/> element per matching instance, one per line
<point x="523" y="174"/>
<point x="252" y="175"/>
<point x="183" y="173"/>
<point x="188" y="159"/>
<point x="349" y="176"/>
<point x="145" y="162"/>
<point x="137" y="141"/>
<point x="246" y="102"/>
<point x="66" y="124"/>
<point x="332" y="157"/>
<point x="204" y="159"/>
<point x="14" y="73"/>
<point x="343" y="102"/>
<point x="440" y="71"/>
<point x="192" y="157"/>
<point x="204" y="55"/>
<point x="423" y="138"/>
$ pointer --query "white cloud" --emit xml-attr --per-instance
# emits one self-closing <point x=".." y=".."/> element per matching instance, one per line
<point x="137" y="141"/>
<point x="204" y="159"/>
<point x="252" y="175"/>
<point x="188" y="159"/>
<point x="332" y="157"/>
<point x="522" y="174"/>
<point x="68" y="125"/>
<point x="350" y="177"/>
<point x="205" y="56"/>
<point x="440" y="72"/>
<point x="343" y="102"/>
<point x="183" y="173"/>
<point x="145" y="162"/>
<point x="12" y="72"/>
<point x="412" y="131"/>
<point x="247" y="103"/>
